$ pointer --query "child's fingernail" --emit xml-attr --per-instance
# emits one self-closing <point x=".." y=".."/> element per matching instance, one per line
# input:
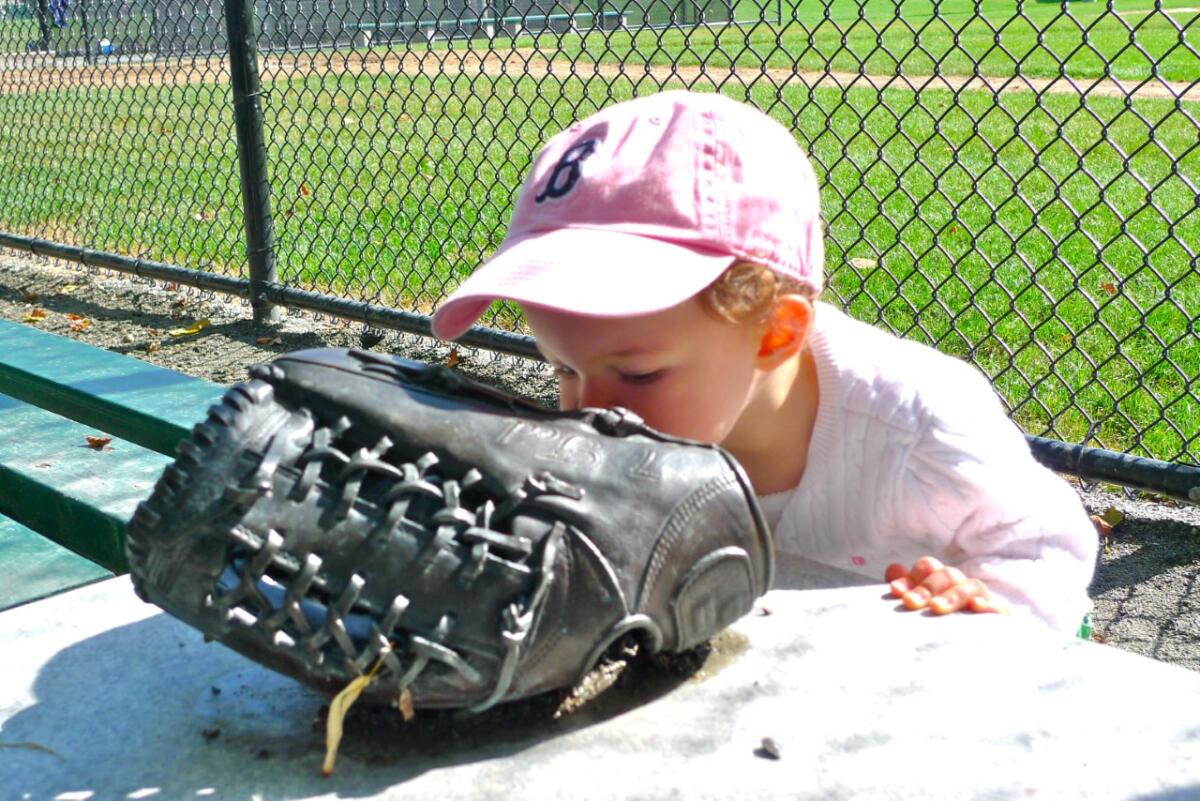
<point x="913" y="599"/>
<point x="940" y="605"/>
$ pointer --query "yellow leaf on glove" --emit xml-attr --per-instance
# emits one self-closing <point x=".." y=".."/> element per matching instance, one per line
<point x="337" y="713"/>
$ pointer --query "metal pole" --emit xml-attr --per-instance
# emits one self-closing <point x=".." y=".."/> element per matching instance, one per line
<point x="1179" y="481"/>
<point x="252" y="156"/>
<point x="89" y="55"/>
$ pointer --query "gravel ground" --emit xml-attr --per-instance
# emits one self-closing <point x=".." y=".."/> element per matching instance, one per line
<point x="1146" y="580"/>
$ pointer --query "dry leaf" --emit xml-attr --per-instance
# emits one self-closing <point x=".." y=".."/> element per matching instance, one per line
<point x="405" y="705"/>
<point x="269" y="340"/>
<point x="453" y="359"/>
<point x="79" y="322"/>
<point x="304" y="190"/>
<point x="36" y="316"/>
<point x="98" y="443"/>
<point x="151" y="347"/>
<point x="67" y="289"/>
<point x="863" y="264"/>
<point x="194" y="328"/>
<point x="171" y="286"/>
<point x="1109" y="287"/>
<point x="338" y="708"/>
<point x="1113" y="516"/>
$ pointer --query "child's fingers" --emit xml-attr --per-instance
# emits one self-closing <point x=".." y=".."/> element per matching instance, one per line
<point x="896" y="576"/>
<point x="945" y="590"/>
<point x="986" y="604"/>
<point x="916" y="598"/>
<point x="970" y="594"/>
<point x="949" y="601"/>
<point x="923" y="568"/>
<point x="904" y="580"/>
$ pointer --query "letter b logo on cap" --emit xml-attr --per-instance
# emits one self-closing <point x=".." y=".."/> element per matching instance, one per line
<point x="566" y="172"/>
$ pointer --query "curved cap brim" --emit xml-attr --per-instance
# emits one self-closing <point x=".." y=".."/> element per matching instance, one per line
<point x="585" y="271"/>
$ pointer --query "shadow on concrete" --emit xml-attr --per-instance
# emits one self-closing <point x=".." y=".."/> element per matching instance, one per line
<point x="148" y="706"/>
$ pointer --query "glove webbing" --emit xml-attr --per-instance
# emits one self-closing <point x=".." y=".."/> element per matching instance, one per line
<point x="246" y="582"/>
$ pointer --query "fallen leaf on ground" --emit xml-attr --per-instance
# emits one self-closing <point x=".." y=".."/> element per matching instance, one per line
<point x="1113" y="516"/>
<point x="79" y="322"/>
<point x="1109" y="287"/>
<point x="151" y="347"/>
<point x="268" y="340"/>
<point x="36" y="316"/>
<point x="453" y="359"/>
<point x="67" y="289"/>
<point x="194" y="328"/>
<point x="863" y="264"/>
<point x="1102" y="526"/>
<point x="97" y="443"/>
<point x="304" y="190"/>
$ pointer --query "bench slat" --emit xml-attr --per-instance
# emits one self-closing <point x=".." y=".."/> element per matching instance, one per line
<point x="35" y="568"/>
<point x="135" y="401"/>
<point x="78" y="496"/>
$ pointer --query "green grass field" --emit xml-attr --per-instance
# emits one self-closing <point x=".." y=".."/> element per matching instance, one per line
<point x="1134" y="42"/>
<point x="1048" y="240"/>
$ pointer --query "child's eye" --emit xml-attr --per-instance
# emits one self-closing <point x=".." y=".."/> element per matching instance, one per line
<point x="642" y="378"/>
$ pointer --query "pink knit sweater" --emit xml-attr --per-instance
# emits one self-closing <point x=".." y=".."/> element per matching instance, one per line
<point x="913" y="455"/>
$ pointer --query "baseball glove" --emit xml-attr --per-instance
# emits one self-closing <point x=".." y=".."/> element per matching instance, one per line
<point x="344" y="511"/>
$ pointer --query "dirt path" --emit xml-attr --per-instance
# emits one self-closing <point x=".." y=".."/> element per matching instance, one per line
<point x="41" y="73"/>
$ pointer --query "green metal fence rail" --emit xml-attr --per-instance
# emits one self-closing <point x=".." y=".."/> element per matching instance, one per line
<point x="1015" y="184"/>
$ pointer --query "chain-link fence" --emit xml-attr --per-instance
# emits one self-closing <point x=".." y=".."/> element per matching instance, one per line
<point x="1015" y="184"/>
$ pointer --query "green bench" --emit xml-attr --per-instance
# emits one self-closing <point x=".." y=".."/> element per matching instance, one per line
<point x="63" y="502"/>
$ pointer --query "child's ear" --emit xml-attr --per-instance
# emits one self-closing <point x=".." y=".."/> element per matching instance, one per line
<point x="786" y="330"/>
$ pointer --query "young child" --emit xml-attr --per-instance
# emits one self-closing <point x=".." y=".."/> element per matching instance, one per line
<point x="667" y="253"/>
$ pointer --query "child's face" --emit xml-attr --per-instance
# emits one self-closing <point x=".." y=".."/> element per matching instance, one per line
<point x="683" y="371"/>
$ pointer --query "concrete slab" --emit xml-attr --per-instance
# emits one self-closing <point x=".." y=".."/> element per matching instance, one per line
<point x="104" y="697"/>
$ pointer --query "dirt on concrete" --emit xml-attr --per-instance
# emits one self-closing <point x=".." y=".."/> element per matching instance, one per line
<point x="1147" y="584"/>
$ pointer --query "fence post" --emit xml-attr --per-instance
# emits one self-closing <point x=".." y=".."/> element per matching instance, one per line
<point x="252" y="156"/>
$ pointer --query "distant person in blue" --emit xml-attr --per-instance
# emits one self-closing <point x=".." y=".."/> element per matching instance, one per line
<point x="59" y="9"/>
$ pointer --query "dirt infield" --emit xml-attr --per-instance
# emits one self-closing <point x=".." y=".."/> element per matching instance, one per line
<point x="35" y="73"/>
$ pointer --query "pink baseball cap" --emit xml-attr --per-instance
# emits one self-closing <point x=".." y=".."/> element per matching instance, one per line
<point x="642" y="205"/>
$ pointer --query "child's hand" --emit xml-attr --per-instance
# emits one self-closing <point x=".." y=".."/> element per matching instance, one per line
<point x="942" y="589"/>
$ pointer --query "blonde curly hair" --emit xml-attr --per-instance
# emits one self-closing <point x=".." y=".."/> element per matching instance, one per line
<point x="746" y="292"/>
